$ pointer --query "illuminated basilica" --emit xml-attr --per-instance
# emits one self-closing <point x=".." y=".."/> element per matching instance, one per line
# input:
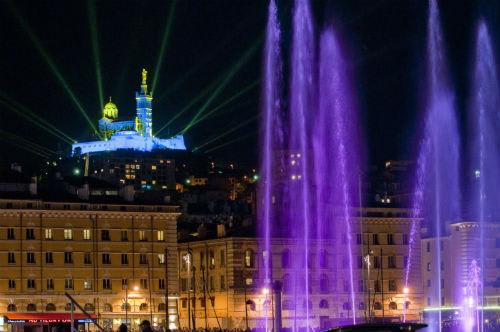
<point x="135" y="134"/>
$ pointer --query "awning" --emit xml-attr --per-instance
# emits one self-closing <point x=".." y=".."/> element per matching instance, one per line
<point x="46" y="317"/>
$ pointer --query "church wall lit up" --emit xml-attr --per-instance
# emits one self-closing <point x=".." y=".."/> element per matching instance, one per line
<point x="136" y="134"/>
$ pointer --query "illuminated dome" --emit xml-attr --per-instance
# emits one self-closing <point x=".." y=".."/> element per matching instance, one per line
<point x="110" y="110"/>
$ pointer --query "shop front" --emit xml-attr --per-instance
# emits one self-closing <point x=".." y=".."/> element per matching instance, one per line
<point x="47" y="322"/>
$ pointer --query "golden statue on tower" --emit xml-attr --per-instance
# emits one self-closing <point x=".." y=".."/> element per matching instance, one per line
<point x="144" y="76"/>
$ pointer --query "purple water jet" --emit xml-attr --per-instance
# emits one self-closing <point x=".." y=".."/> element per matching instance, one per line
<point x="270" y="138"/>
<point x="437" y="195"/>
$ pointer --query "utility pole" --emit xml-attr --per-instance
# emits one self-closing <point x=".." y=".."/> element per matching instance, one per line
<point x="167" y="318"/>
<point x="194" y="297"/>
<point x="205" y="296"/>
<point x="382" y="282"/>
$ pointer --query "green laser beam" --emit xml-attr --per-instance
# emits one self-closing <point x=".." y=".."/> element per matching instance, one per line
<point x="227" y="132"/>
<point x="48" y="60"/>
<point x="22" y="111"/>
<point x="38" y="147"/>
<point x="230" y="142"/>
<point x="189" y="105"/>
<point x="95" y="48"/>
<point x="221" y="105"/>
<point x="166" y="34"/>
<point x="24" y="147"/>
<point x="230" y="74"/>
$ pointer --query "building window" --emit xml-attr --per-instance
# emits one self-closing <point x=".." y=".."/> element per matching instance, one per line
<point x="405" y="262"/>
<point x="285" y="259"/>
<point x="68" y="234"/>
<point x="87" y="235"/>
<point x="144" y="283"/>
<point x="160" y="236"/>
<point x="346" y="306"/>
<point x="68" y="257"/>
<point x="361" y="285"/>
<point x="184" y="303"/>
<point x="428" y="246"/>
<point x="361" y="306"/>
<point x="87" y="284"/>
<point x="142" y="236"/>
<point x="222" y="283"/>
<point x="428" y="282"/>
<point x="442" y="266"/>
<point x="391" y="262"/>
<point x="390" y="239"/>
<point x="249" y="259"/>
<point x="31" y="283"/>
<point x="360" y="262"/>
<point x="161" y="283"/>
<point x="359" y="238"/>
<point x="222" y="258"/>
<point x="48" y="234"/>
<point x="428" y="266"/>
<point x="393" y="306"/>
<point x="143" y="307"/>
<point x="124" y="259"/>
<point x="323" y="304"/>
<point x="212" y="283"/>
<point x="89" y="307"/>
<point x="183" y="284"/>
<point x="106" y="284"/>
<point x="405" y="239"/>
<point x="12" y="284"/>
<point x="143" y="259"/>
<point x="49" y="259"/>
<point x="126" y="306"/>
<point x="31" y="307"/>
<point x="376" y="262"/>
<point x="105" y="235"/>
<point x="50" y="284"/>
<point x="87" y="258"/>
<point x="324" y="284"/>
<point x="11" y="307"/>
<point x="124" y="236"/>
<point x="30" y="234"/>
<point x="377" y="286"/>
<point x="161" y="259"/>
<point x="377" y="306"/>
<point x="323" y="260"/>
<point x="68" y="283"/>
<point x="68" y="306"/>
<point x="375" y="239"/>
<point x="106" y="259"/>
<point x="392" y="286"/>
<point x="11" y="258"/>
<point x="10" y="234"/>
<point x="124" y="283"/>
<point x="211" y="259"/>
<point x="30" y="257"/>
<point x="442" y="283"/>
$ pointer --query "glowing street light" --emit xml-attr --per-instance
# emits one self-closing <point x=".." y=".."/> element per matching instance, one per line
<point x="265" y="291"/>
<point x="136" y="288"/>
<point x="406" y="290"/>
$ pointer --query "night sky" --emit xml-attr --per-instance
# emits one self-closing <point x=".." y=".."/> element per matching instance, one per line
<point x="385" y="38"/>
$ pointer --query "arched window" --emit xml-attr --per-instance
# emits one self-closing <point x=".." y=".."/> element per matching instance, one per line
<point x="324" y="284"/>
<point x="249" y="258"/>
<point x="323" y="259"/>
<point x="11" y="307"/>
<point x="323" y="304"/>
<point x="251" y="305"/>
<point x="288" y="305"/>
<point x="31" y="307"/>
<point x="162" y="307"/>
<point x="285" y="259"/>
<point x="143" y="307"/>
<point x="67" y="307"/>
<point x="346" y="306"/>
<point x="407" y="304"/>
<point x="377" y="306"/>
<point x="125" y="306"/>
<point x="50" y="307"/>
<point x="287" y="284"/>
<point x="361" y="306"/>
<point x="393" y="306"/>
<point x="88" y="307"/>
<point x="108" y="307"/>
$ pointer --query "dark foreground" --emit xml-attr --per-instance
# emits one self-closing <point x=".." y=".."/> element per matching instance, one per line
<point x="380" y="327"/>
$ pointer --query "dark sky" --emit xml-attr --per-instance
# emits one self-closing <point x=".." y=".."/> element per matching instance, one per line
<point x="386" y="39"/>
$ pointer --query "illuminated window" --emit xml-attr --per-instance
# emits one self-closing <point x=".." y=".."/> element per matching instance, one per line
<point x="249" y="259"/>
<point x="160" y="235"/>
<point x="68" y="234"/>
<point x="48" y="234"/>
<point x="161" y="258"/>
<point x="87" y="284"/>
<point x="142" y="236"/>
<point x="153" y="167"/>
<point x="153" y="182"/>
<point x="86" y="234"/>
